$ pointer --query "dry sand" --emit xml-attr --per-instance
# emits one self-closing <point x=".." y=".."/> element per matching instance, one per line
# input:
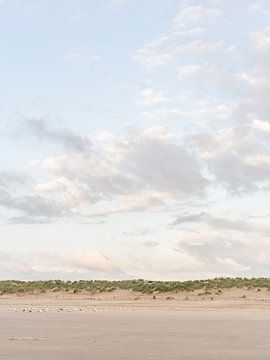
<point x="124" y="325"/>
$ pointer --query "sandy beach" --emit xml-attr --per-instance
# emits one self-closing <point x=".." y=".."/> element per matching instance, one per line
<point x="135" y="335"/>
<point x="124" y="325"/>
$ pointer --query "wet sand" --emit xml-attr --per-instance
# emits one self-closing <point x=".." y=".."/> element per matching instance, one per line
<point x="127" y="325"/>
<point x="134" y="334"/>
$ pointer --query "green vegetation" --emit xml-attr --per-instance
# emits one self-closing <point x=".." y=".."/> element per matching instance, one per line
<point x="140" y="285"/>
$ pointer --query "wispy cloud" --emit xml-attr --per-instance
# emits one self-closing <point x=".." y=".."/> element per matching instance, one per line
<point x="40" y="129"/>
<point x="44" y="264"/>
<point x="78" y="57"/>
<point x="150" y="98"/>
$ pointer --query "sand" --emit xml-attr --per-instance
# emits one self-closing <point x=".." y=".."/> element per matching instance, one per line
<point x="119" y="327"/>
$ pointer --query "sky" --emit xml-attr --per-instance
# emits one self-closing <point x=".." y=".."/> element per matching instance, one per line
<point x="134" y="139"/>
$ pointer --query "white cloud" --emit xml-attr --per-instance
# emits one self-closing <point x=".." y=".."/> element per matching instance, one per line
<point x="261" y="41"/>
<point x="198" y="47"/>
<point x="261" y="125"/>
<point x="78" y="57"/>
<point x="117" y="3"/>
<point x="221" y="142"/>
<point x="193" y="14"/>
<point x="182" y="37"/>
<point x="232" y="264"/>
<point x="190" y="70"/>
<point x="150" y="98"/>
<point x="90" y="260"/>
<point x="258" y="160"/>
<point x="232" y="156"/>
<point x="141" y="171"/>
<point x="162" y="113"/>
<point x="219" y="253"/>
<point x="151" y="55"/>
<point x="43" y="264"/>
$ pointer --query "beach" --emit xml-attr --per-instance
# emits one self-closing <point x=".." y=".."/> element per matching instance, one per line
<point x="117" y="326"/>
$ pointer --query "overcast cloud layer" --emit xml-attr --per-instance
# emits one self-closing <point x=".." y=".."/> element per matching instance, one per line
<point x="135" y="139"/>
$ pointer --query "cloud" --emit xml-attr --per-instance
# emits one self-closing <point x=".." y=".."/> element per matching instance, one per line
<point x="163" y="165"/>
<point x="227" y="243"/>
<point x="91" y="260"/>
<point x="145" y="170"/>
<point x="150" y="243"/>
<point x="150" y="98"/>
<point x="82" y="58"/>
<point x="128" y="204"/>
<point x="163" y="113"/>
<point x="28" y="220"/>
<point x="138" y="172"/>
<point x="151" y="55"/>
<point x="11" y="183"/>
<point x="138" y="232"/>
<point x="190" y="15"/>
<point x="88" y="177"/>
<point x="33" y="208"/>
<point x="190" y="70"/>
<point x="260" y="7"/>
<point x="13" y="178"/>
<point x="261" y="41"/>
<point x="261" y="125"/>
<point x="163" y="265"/>
<point x="40" y="129"/>
<point x="117" y="3"/>
<point x="258" y="161"/>
<point x="235" y="157"/>
<point x="221" y="222"/>
<point x="184" y="36"/>
<point x="35" y="205"/>
<point x="217" y="252"/>
<point x="44" y="265"/>
<point x="232" y="264"/>
<point x="217" y="148"/>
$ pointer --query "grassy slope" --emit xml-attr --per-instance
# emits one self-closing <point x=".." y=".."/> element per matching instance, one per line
<point x="140" y="285"/>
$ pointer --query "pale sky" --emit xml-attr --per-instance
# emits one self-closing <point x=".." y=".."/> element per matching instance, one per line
<point x="134" y="139"/>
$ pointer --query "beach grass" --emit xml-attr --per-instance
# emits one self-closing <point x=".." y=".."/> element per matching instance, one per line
<point x="138" y="285"/>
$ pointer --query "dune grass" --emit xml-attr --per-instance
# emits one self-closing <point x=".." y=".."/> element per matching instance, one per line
<point x="139" y="285"/>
